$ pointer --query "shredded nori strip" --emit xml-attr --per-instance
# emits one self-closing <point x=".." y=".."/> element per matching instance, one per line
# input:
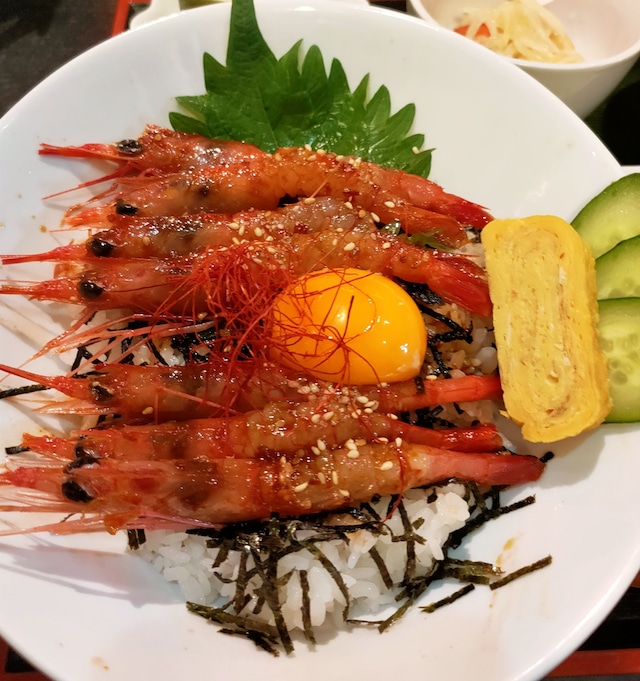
<point x="306" y="607"/>
<point x="547" y="457"/>
<point x="527" y="569"/>
<point x="467" y="588"/>
<point x="16" y="449"/>
<point x="136" y="538"/>
<point x="24" y="390"/>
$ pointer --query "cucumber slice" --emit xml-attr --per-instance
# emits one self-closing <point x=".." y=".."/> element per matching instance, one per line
<point x="618" y="271"/>
<point x="620" y="341"/>
<point x="612" y="216"/>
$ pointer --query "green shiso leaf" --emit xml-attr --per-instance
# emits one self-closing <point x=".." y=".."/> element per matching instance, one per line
<point x="293" y="101"/>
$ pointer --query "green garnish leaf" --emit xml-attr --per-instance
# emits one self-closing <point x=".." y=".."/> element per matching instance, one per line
<point x="294" y="101"/>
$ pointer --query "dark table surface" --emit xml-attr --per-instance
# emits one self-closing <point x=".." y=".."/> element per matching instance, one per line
<point x="38" y="36"/>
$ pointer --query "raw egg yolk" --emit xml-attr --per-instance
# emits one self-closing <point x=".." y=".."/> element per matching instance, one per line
<point x="349" y="326"/>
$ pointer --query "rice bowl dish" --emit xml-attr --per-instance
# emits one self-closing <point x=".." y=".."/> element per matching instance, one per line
<point x="515" y="193"/>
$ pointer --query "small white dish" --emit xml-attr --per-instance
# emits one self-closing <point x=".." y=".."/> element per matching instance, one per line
<point x="605" y="32"/>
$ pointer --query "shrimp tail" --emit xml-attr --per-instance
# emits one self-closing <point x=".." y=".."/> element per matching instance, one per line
<point x="427" y="194"/>
<point x="422" y="394"/>
<point x="482" y="438"/>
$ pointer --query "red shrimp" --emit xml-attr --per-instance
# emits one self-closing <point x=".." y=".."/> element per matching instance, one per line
<point x="160" y="150"/>
<point x="162" y="393"/>
<point x="226" y="490"/>
<point x="181" y="284"/>
<point x="278" y="427"/>
<point x="418" y="204"/>
<point x="179" y="235"/>
<point x="194" y="391"/>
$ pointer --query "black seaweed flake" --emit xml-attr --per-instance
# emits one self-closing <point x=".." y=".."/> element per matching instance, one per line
<point x="452" y="598"/>
<point x="135" y="539"/>
<point x="306" y="607"/>
<point x="24" y="390"/>
<point x="264" y="543"/>
<point x="526" y="570"/>
<point x="264" y="635"/>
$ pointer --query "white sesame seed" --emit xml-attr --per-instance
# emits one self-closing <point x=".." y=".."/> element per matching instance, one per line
<point x="344" y="492"/>
<point x="321" y="477"/>
<point x="316" y="418"/>
<point x="322" y="446"/>
<point x="349" y="205"/>
<point x="258" y="231"/>
<point x="315" y="450"/>
<point x="235" y="240"/>
<point x="327" y="416"/>
<point x="375" y="217"/>
<point x="349" y="247"/>
<point x="301" y="487"/>
<point x="361" y="442"/>
<point x="310" y="199"/>
<point x="386" y="244"/>
<point x="147" y="411"/>
<point x="398" y="442"/>
<point x="368" y="410"/>
<point x="353" y="454"/>
<point x="146" y="240"/>
<point x="389" y="204"/>
<point x="234" y="225"/>
<point x="393" y="417"/>
<point x="350" y="444"/>
<point x="363" y="399"/>
<point x="387" y="465"/>
<point x="334" y="242"/>
<point x="415" y="150"/>
<point x="372" y="404"/>
<point x="362" y="213"/>
<point x="382" y="440"/>
<point x="241" y="230"/>
<point x="334" y="477"/>
<point x="308" y="147"/>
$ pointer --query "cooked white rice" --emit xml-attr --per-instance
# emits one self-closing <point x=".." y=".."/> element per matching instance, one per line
<point x="185" y="560"/>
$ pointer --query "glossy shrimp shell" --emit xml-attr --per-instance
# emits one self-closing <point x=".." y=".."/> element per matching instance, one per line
<point x="418" y="204"/>
<point x="147" y="284"/>
<point x="231" y="490"/>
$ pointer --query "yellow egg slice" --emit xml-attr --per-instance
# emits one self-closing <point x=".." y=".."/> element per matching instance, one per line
<point x="349" y="326"/>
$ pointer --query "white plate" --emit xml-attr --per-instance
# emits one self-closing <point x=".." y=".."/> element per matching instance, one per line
<point x="79" y="609"/>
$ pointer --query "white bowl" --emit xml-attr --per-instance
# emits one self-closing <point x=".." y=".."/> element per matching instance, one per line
<point x="501" y="139"/>
<point x="605" y="32"/>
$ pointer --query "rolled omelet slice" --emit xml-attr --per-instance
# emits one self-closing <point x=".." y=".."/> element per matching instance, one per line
<point x="543" y="287"/>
